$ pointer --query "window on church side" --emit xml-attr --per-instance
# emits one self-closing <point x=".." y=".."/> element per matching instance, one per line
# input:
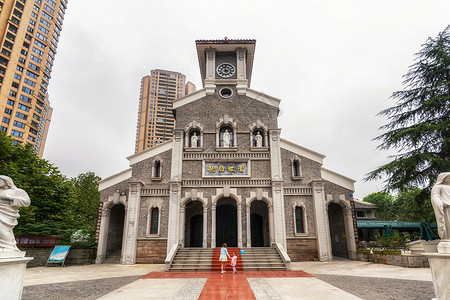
<point x="154" y="223"/>
<point x="299" y="228"/>
<point x="296" y="169"/>
<point x="157" y="172"/>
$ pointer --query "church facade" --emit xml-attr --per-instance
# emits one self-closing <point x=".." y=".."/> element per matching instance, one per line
<point x="226" y="176"/>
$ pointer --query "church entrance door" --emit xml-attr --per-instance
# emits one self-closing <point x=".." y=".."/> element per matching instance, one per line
<point x="196" y="231"/>
<point x="257" y="230"/>
<point x="193" y="227"/>
<point x="115" y="230"/>
<point x="259" y="224"/>
<point x="337" y="230"/>
<point x="226" y="222"/>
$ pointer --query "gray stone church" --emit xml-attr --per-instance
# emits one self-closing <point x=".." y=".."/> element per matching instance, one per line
<point x="227" y="176"/>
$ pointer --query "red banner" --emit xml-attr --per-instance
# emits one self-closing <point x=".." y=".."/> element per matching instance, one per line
<point x="32" y="240"/>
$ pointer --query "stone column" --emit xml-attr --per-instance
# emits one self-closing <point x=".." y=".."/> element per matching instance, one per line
<point x="249" y="233"/>
<point x="321" y="222"/>
<point x="130" y="232"/>
<point x="103" y="235"/>
<point x="239" y="224"/>
<point x="272" y="240"/>
<point x="213" y="226"/>
<point x="182" y="221"/>
<point x="175" y="189"/>
<point x="350" y="233"/>
<point x="210" y="78"/>
<point x="241" y="71"/>
<point x="277" y="188"/>
<point x="205" y="226"/>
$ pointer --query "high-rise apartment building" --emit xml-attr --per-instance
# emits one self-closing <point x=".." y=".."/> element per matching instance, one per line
<point x="155" y="119"/>
<point x="29" y="32"/>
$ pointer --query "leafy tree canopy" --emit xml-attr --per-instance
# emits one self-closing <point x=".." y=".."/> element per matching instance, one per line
<point x="384" y="201"/>
<point x="59" y="206"/>
<point x="404" y="206"/>
<point x="419" y="125"/>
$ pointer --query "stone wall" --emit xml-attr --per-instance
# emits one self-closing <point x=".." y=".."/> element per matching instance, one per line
<point x="245" y="114"/>
<point x="403" y="260"/>
<point x="76" y="256"/>
<point x="310" y="169"/>
<point x="300" y="249"/>
<point x="151" y="251"/>
<point x="298" y="200"/>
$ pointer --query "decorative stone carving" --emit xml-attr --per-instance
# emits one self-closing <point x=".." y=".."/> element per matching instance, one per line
<point x="258" y="139"/>
<point x="226" y="139"/>
<point x="440" y="262"/>
<point x="11" y="199"/>
<point x="194" y="140"/>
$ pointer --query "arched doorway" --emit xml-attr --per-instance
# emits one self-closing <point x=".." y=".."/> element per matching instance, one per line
<point x="337" y="230"/>
<point x="226" y="222"/>
<point x="115" y="230"/>
<point x="259" y="224"/>
<point x="194" y="224"/>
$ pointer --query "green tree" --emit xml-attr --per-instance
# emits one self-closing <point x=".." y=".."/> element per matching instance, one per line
<point x="385" y="203"/>
<point x="84" y="204"/>
<point x="48" y="189"/>
<point x="404" y="206"/>
<point x="419" y="125"/>
<point x="409" y="207"/>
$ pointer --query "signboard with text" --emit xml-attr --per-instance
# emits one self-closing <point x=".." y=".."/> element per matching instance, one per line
<point x="32" y="240"/>
<point x="226" y="169"/>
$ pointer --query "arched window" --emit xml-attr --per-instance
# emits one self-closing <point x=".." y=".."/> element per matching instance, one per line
<point x="226" y="137"/>
<point x="154" y="222"/>
<point x="193" y="137"/>
<point x="157" y="169"/>
<point x="259" y="139"/>
<point x="296" y="168"/>
<point x="299" y="222"/>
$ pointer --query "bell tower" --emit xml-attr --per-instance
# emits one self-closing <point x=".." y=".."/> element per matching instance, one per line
<point x="226" y="62"/>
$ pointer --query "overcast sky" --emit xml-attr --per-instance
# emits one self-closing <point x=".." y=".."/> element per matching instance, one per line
<point x="334" y="65"/>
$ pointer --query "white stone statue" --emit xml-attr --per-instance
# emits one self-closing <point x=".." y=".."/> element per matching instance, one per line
<point x="440" y="198"/>
<point x="194" y="139"/>
<point x="11" y="199"/>
<point x="226" y="138"/>
<point x="258" y="139"/>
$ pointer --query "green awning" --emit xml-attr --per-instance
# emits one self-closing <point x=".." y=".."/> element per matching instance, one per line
<point x="393" y="224"/>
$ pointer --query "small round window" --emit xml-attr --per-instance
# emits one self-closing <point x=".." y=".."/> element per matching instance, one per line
<point x="225" y="92"/>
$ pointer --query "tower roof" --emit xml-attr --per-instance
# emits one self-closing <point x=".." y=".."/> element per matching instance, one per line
<point x="226" y="45"/>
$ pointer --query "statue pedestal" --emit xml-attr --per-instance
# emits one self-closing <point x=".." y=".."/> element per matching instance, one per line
<point x="440" y="266"/>
<point x="12" y="272"/>
<point x="421" y="246"/>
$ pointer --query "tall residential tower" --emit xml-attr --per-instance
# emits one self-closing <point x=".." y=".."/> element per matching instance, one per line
<point x="29" y="32"/>
<point x="155" y="119"/>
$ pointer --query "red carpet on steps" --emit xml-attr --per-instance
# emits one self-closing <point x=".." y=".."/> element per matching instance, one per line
<point x="215" y="263"/>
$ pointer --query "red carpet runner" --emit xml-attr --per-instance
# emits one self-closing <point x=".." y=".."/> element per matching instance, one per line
<point x="228" y="286"/>
<point x="215" y="263"/>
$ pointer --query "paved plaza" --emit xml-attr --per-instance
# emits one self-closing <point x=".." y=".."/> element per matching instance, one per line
<point x="340" y="279"/>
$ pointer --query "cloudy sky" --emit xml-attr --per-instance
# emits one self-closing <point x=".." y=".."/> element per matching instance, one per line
<point x="334" y="64"/>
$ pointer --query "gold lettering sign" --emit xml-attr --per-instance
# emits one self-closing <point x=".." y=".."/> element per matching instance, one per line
<point x="226" y="168"/>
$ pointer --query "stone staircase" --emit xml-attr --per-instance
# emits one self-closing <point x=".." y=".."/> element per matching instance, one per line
<point x="113" y="258"/>
<point x="192" y="259"/>
<point x="207" y="259"/>
<point x="262" y="259"/>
